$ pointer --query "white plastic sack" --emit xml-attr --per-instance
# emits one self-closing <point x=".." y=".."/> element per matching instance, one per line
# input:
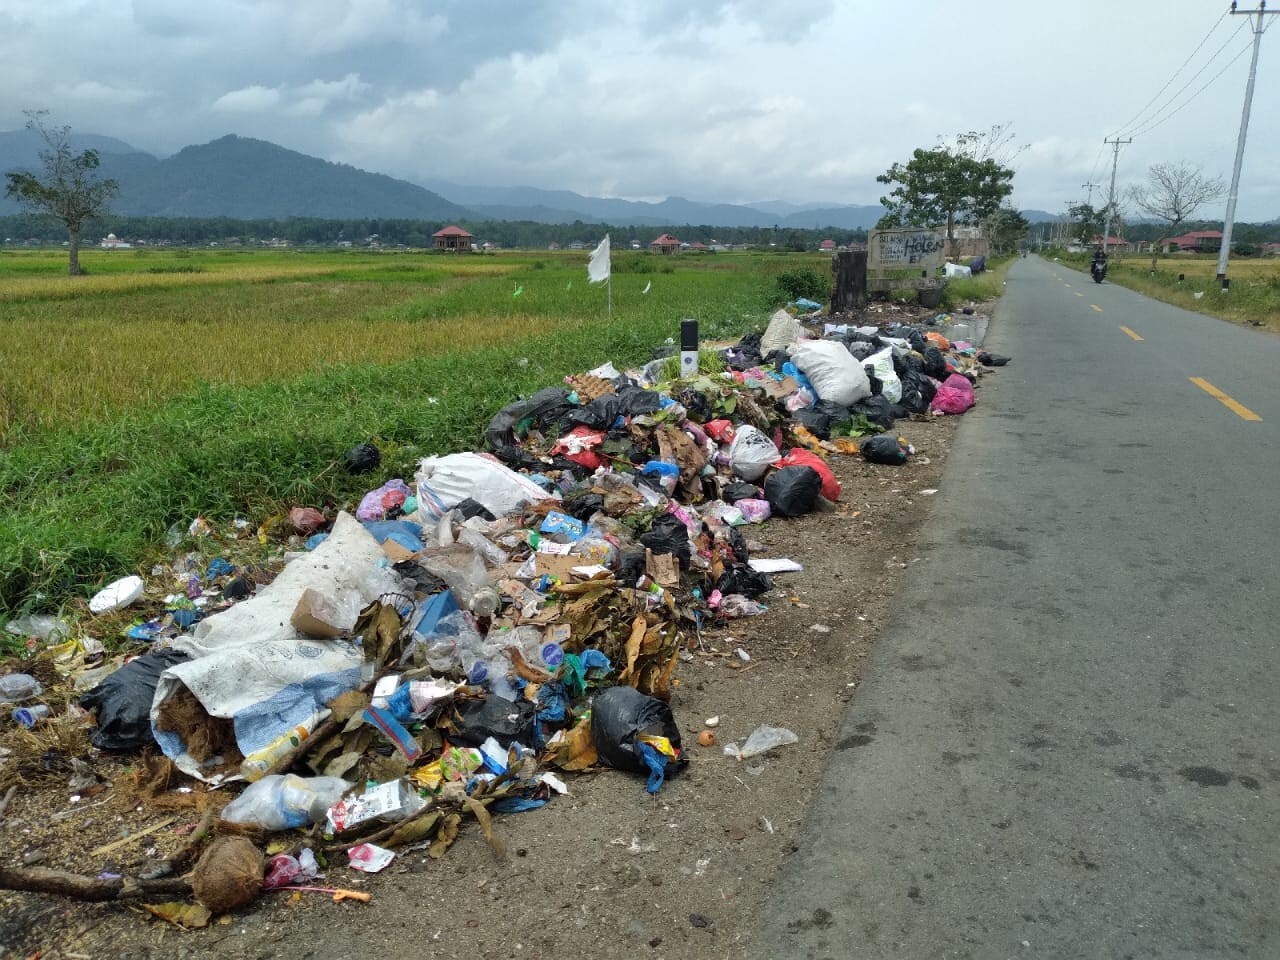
<point x="752" y="453"/>
<point x="956" y="270"/>
<point x="882" y="363"/>
<point x="782" y="332"/>
<point x="251" y="666"/>
<point x="444" y="482"/>
<point x="835" y="373"/>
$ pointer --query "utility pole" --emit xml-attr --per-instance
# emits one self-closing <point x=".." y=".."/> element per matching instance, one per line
<point x="1111" y="196"/>
<point x="1090" y="186"/>
<point x="1230" y="219"/>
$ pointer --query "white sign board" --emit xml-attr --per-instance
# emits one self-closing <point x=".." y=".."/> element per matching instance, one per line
<point x="904" y="249"/>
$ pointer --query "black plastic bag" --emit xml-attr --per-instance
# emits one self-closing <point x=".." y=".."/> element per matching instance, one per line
<point x="917" y="391"/>
<point x="584" y="506"/>
<point x="362" y="458"/>
<point x="934" y="363"/>
<point x="739" y="490"/>
<point x="544" y="406"/>
<point x="792" y="491"/>
<point x="815" y="421"/>
<point x="877" y="409"/>
<point x="992" y="359"/>
<point x="740" y="578"/>
<point x="504" y="720"/>
<point x="885" y="448"/>
<point x="634" y="401"/>
<point x="122" y="701"/>
<point x="631" y="562"/>
<point x="469" y="508"/>
<point x="669" y="535"/>
<point x="599" y="414"/>
<point x="619" y="715"/>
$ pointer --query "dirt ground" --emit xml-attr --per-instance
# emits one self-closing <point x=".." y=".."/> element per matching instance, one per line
<point x="606" y="871"/>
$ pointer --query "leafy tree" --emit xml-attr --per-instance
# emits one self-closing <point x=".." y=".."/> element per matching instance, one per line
<point x="1006" y="228"/>
<point x="1087" y="222"/>
<point x="69" y="189"/>
<point x="960" y="182"/>
<point x="1172" y="193"/>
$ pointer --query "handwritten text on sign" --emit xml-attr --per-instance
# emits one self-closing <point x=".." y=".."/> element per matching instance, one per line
<point x="895" y="249"/>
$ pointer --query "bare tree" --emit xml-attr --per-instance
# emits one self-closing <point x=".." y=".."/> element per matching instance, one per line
<point x="1172" y="193"/>
<point x="69" y="189"/>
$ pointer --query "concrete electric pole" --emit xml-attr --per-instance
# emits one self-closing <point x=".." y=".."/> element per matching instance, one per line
<point x="1229" y="221"/>
<point x="1111" y="195"/>
<point x="1090" y="187"/>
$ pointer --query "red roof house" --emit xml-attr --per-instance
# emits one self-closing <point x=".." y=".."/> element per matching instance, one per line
<point x="1205" y="241"/>
<point x="665" y="244"/>
<point x="452" y="238"/>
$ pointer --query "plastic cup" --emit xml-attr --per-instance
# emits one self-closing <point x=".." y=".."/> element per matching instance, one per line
<point x="30" y="716"/>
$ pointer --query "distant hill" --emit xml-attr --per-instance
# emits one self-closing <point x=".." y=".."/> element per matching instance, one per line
<point x="564" y="206"/>
<point x="241" y="178"/>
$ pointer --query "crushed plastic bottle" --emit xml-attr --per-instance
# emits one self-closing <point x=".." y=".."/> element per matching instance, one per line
<point x="736" y="605"/>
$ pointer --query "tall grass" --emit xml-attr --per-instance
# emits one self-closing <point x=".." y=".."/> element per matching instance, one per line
<point x="144" y="400"/>
<point x="1253" y="297"/>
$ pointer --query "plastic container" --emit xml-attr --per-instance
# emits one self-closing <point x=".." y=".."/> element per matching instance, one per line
<point x="255" y="766"/>
<point x="16" y="687"/>
<point x="30" y="716"/>
<point x="492" y="673"/>
<point x="281" y="802"/>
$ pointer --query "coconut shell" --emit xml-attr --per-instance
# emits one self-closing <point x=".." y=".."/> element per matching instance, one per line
<point x="228" y="874"/>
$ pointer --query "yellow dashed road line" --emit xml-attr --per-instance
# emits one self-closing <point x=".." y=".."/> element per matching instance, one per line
<point x="1131" y="333"/>
<point x="1097" y="309"/>
<point x="1239" y="409"/>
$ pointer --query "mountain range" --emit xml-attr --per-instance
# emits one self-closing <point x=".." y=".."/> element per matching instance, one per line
<point x="249" y="179"/>
<point x="244" y="178"/>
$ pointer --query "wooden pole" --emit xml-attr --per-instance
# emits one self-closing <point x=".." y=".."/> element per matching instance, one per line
<point x="849" y="273"/>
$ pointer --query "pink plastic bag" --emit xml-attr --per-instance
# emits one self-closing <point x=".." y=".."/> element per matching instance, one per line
<point x="954" y="396"/>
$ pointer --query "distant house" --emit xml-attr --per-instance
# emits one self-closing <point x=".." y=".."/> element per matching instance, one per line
<point x="1119" y="244"/>
<point x="452" y="238"/>
<point x="1271" y="249"/>
<point x="577" y="245"/>
<point x="112" y="242"/>
<point x="827" y="246"/>
<point x="665" y="244"/>
<point x="635" y="244"/>
<point x="700" y="247"/>
<point x="1198" y="241"/>
<point x="553" y="245"/>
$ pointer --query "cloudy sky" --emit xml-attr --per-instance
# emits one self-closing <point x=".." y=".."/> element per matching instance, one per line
<point x="797" y="100"/>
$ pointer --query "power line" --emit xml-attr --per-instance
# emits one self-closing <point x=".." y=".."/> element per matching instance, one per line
<point x="1173" y="76"/>
<point x="1192" y="79"/>
<point x="1155" y="123"/>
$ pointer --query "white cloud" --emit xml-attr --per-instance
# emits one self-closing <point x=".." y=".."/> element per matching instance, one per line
<point x="716" y="100"/>
<point x="254" y="99"/>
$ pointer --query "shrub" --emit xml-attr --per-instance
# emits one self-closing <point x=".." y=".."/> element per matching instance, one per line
<point x="805" y="282"/>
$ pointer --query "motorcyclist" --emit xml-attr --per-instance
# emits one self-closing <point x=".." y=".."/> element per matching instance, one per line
<point x="1099" y="263"/>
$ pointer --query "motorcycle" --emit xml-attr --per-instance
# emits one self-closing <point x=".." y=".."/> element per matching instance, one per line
<point x="1098" y="270"/>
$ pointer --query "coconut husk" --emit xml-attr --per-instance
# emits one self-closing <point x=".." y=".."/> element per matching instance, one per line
<point x="228" y="874"/>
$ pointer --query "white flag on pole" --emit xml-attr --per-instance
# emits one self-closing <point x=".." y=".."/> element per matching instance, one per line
<point x="598" y="265"/>
<point x="647" y="286"/>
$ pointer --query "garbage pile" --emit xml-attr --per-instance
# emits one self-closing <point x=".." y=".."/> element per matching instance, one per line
<point x="506" y="614"/>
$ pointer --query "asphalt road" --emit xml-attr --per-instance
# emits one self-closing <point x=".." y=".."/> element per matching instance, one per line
<point x="1067" y="741"/>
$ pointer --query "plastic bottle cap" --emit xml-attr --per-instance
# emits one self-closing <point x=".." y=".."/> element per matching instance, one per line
<point x="552" y="654"/>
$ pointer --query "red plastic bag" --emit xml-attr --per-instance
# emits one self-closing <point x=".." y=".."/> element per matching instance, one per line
<point x="954" y="396"/>
<point x="806" y="458"/>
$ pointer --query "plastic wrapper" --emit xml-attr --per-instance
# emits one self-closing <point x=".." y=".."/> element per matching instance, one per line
<point x="751" y="453"/>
